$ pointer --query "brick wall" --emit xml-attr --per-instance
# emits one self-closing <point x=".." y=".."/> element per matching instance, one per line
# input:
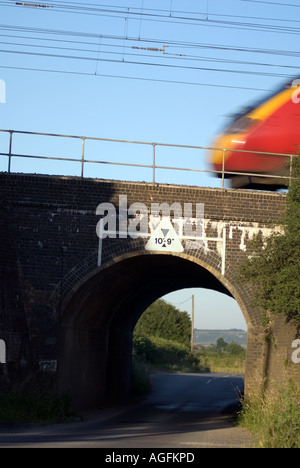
<point x="55" y="298"/>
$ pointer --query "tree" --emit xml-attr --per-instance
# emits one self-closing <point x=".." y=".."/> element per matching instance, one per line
<point x="221" y="344"/>
<point x="274" y="265"/>
<point x="235" y="349"/>
<point x="163" y="320"/>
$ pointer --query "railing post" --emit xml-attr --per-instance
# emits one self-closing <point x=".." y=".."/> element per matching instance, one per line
<point x="153" y="167"/>
<point x="82" y="156"/>
<point x="10" y="150"/>
<point x="223" y="168"/>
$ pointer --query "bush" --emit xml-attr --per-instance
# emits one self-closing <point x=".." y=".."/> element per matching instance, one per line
<point x="144" y="348"/>
<point x="235" y="349"/>
<point x="157" y="350"/>
<point x="163" y="320"/>
<point x="140" y="378"/>
<point x="166" y="354"/>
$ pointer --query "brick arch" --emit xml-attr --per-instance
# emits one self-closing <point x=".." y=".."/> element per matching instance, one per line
<point x="211" y="262"/>
<point x="100" y="313"/>
<point x="120" y="250"/>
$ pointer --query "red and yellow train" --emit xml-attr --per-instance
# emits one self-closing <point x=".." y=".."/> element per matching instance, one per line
<point x="251" y="139"/>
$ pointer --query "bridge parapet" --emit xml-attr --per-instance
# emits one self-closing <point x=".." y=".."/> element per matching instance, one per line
<point x="106" y="157"/>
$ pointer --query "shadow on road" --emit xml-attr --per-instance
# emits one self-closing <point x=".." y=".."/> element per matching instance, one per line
<point x="184" y="411"/>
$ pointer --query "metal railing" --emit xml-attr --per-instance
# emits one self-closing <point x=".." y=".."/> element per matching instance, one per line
<point x="83" y="161"/>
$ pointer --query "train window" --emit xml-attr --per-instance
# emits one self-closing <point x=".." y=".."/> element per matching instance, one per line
<point x="238" y="126"/>
<point x="240" y="120"/>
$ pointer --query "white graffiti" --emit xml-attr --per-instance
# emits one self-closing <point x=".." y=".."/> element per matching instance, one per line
<point x="245" y="232"/>
<point x="2" y="352"/>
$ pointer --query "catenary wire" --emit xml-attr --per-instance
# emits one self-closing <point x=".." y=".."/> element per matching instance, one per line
<point x="182" y="57"/>
<point x="237" y="49"/>
<point x="154" y="80"/>
<point x="273" y="3"/>
<point x="109" y="12"/>
<point x="153" y="64"/>
<point x="182" y="44"/>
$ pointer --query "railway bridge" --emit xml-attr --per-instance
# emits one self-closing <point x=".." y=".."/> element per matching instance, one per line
<point x="82" y="259"/>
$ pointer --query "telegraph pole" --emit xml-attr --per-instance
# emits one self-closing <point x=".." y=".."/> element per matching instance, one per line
<point x="193" y="319"/>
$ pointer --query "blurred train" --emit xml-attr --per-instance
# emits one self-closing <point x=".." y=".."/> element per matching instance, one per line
<point x="269" y="126"/>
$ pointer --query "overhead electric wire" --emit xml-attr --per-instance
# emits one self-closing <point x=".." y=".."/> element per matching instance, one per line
<point x="181" y="44"/>
<point x="154" y="80"/>
<point x="191" y="58"/>
<point x="105" y="44"/>
<point x="273" y="3"/>
<point x="109" y="11"/>
<point x="153" y="64"/>
<point x="140" y="12"/>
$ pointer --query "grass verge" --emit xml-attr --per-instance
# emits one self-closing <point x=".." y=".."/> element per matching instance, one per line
<point x="224" y="362"/>
<point x="273" y="418"/>
<point x="43" y="409"/>
<point x="35" y="400"/>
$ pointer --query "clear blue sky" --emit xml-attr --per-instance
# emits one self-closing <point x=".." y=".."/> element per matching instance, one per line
<point x="82" y="69"/>
<point x="212" y="310"/>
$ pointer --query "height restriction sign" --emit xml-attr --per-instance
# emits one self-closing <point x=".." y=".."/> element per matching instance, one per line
<point x="164" y="238"/>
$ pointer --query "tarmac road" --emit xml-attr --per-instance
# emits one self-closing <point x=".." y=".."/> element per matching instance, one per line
<point x="184" y="411"/>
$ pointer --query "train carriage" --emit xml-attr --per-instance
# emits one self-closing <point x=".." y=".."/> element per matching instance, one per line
<point x="255" y="135"/>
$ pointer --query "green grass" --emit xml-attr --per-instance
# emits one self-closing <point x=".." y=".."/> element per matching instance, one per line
<point x="26" y="407"/>
<point x="218" y="361"/>
<point x="228" y="364"/>
<point x="36" y="400"/>
<point x="273" y="418"/>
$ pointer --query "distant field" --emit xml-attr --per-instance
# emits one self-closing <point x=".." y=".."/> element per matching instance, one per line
<point x="208" y="337"/>
<point x="225" y="363"/>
